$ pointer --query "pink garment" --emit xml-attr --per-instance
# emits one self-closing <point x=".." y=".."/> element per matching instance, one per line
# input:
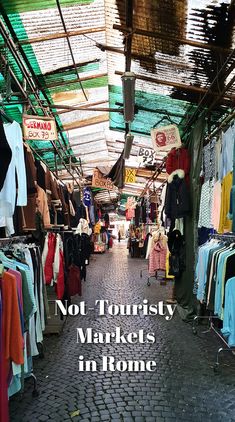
<point x="130" y="213"/>
<point x="157" y="257"/>
<point x="216" y="205"/>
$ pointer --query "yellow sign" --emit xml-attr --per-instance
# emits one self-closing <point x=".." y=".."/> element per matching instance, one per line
<point x="37" y="128"/>
<point x="99" y="181"/>
<point x="130" y="175"/>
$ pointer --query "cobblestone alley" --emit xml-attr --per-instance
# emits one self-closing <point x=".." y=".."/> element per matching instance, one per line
<point x="183" y="387"/>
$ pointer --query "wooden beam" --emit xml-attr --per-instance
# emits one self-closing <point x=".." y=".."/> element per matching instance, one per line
<point x="70" y="67"/>
<point x="87" y="122"/>
<point x="178" y="85"/>
<point x="80" y="107"/>
<point x="59" y="35"/>
<point x="176" y="40"/>
<point x="71" y="108"/>
<point x="148" y="59"/>
<point x="77" y="80"/>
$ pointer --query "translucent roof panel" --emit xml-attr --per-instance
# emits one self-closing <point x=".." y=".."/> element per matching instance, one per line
<point x="178" y="47"/>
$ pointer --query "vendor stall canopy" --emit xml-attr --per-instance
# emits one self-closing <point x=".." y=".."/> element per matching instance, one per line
<point x="57" y="54"/>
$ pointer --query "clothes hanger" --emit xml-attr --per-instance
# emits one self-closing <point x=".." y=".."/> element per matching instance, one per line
<point x="5" y="116"/>
<point x="166" y="117"/>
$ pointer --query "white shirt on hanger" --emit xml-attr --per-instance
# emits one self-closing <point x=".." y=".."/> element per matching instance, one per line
<point x="16" y="167"/>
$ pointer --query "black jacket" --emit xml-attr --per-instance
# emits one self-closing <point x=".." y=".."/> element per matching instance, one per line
<point x="176" y="244"/>
<point x="177" y="196"/>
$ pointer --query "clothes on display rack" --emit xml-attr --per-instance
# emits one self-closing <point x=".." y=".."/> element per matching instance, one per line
<point x="227" y="146"/>
<point x="206" y="209"/>
<point x="38" y="191"/>
<point x="177" y="196"/>
<point x="215" y="266"/>
<point x="6" y="155"/>
<point x="53" y="263"/>
<point x="176" y="245"/>
<point x="228" y="329"/>
<point x="8" y="195"/>
<point x="157" y="251"/>
<point x="210" y="159"/>
<point x="178" y="159"/>
<point x="225" y="225"/>
<point x="22" y="316"/>
<point x="216" y="210"/>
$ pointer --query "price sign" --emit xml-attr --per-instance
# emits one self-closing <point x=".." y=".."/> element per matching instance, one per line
<point x="99" y="181"/>
<point x="37" y="128"/>
<point x="147" y="156"/>
<point x="130" y="175"/>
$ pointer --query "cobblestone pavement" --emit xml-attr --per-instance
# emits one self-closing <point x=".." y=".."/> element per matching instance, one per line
<point x="183" y="387"/>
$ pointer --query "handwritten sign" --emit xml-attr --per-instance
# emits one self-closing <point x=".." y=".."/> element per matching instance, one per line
<point x="37" y="128"/>
<point x="165" y="138"/>
<point x="130" y="175"/>
<point x="99" y="181"/>
<point x="147" y="156"/>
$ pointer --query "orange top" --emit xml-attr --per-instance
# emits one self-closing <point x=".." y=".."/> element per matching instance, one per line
<point x="12" y="333"/>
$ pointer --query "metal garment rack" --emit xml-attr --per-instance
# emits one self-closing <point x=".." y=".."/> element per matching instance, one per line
<point x="230" y="238"/>
<point x="9" y="241"/>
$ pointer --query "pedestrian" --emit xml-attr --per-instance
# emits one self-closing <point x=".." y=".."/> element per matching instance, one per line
<point x="119" y="235"/>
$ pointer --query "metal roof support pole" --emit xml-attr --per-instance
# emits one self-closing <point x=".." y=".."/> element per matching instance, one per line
<point x="18" y="83"/>
<point x="55" y="158"/>
<point x="129" y="24"/>
<point x="128" y="44"/>
<point x="27" y="62"/>
<point x="70" y="47"/>
<point x="25" y="73"/>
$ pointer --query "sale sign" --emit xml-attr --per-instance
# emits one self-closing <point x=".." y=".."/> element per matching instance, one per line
<point x="36" y="128"/>
<point x="165" y="138"/>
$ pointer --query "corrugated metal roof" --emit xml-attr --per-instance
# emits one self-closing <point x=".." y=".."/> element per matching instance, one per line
<point x="171" y="76"/>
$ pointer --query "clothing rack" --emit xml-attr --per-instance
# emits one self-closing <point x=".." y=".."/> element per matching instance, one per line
<point x="10" y="241"/>
<point x="13" y="239"/>
<point x="230" y="237"/>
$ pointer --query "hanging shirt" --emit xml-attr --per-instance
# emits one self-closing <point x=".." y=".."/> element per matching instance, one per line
<point x="216" y="205"/>
<point x="226" y="164"/>
<point x="220" y="281"/>
<point x="225" y="224"/>
<point x="16" y="166"/>
<point x="206" y="204"/>
<point x="5" y="153"/>
<point x="209" y="161"/>
<point x="228" y="329"/>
